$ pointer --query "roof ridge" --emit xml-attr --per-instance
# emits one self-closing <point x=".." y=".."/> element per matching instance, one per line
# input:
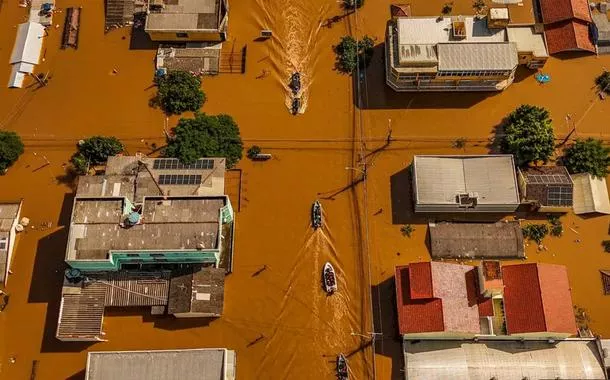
<point x="537" y="265"/>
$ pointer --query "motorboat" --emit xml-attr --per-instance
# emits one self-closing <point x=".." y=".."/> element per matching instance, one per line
<point x="295" y="83"/>
<point x="342" y="372"/>
<point x="316" y="215"/>
<point x="329" y="278"/>
<point x="296" y="106"/>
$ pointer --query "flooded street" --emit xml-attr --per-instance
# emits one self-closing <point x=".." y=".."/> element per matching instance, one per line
<point x="277" y="316"/>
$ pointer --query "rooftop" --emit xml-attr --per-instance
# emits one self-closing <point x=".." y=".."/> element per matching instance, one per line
<point x="537" y="298"/>
<point x="568" y="36"/>
<point x="603" y="26"/>
<point x="476" y="240"/>
<point x="193" y="364"/>
<point x="178" y="207"/>
<point x="435" y="297"/>
<point x="548" y="185"/>
<point x="183" y="15"/>
<point x="439" y="179"/>
<point x="436" y="360"/>
<point x="477" y="56"/>
<point x="562" y="10"/>
<point x="527" y="40"/>
<point x="590" y="194"/>
<point x="197" y="291"/>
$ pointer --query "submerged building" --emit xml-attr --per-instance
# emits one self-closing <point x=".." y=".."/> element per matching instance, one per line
<point x="459" y="53"/>
<point x="149" y="232"/>
<point x="9" y="226"/>
<point x="192" y="364"/>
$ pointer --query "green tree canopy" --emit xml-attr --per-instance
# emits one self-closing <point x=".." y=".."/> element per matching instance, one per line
<point x="528" y="135"/>
<point x="11" y="148"/>
<point x="587" y="156"/>
<point x="179" y="91"/>
<point x="206" y="136"/>
<point x="351" y="53"/>
<point x="603" y="82"/>
<point x="94" y="151"/>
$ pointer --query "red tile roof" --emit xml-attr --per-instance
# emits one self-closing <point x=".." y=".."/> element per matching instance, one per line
<point x="537" y="298"/>
<point x="436" y="297"/>
<point x="567" y="36"/>
<point x="416" y="316"/>
<point x="420" y="280"/>
<point x="561" y="10"/>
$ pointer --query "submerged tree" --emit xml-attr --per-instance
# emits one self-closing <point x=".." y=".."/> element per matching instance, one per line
<point x="587" y="156"/>
<point x="11" y="147"/>
<point x="352" y="4"/>
<point x="350" y="53"/>
<point x="206" y="136"/>
<point x="603" y="82"/>
<point x="179" y="91"/>
<point x="95" y="151"/>
<point x="528" y="135"/>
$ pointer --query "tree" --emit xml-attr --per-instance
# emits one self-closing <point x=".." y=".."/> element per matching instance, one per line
<point x="253" y="151"/>
<point x="179" y="91"/>
<point x="350" y="53"/>
<point x="206" y="136"/>
<point x="528" y="135"/>
<point x="603" y="82"/>
<point x="587" y="156"/>
<point x="447" y="8"/>
<point x="352" y="4"/>
<point x="11" y="148"/>
<point x="95" y="151"/>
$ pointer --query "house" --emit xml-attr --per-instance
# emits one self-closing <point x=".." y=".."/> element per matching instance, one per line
<point x="485" y="183"/>
<point x="437" y="300"/>
<point x="546" y="188"/>
<point x="187" y="20"/>
<point x="26" y="52"/>
<point x="599" y="15"/>
<point x="504" y="359"/>
<point x="190" y="364"/>
<point x="140" y="230"/>
<point x="538" y="301"/>
<point x="501" y="240"/>
<point x="9" y="218"/>
<point x="441" y="300"/>
<point x="458" y="53"/>
<point x="590" y="194"/>
<point x="566" y="25"/>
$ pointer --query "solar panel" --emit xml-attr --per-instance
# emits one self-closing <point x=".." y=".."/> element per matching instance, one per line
<point x="175" y="164"/>
<point x="179" y="179"/>
<point x="559" y="196"/>
<point x="558" y="179"/>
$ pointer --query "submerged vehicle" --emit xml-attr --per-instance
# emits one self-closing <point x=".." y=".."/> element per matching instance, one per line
<point x="316" y="215"/>
<point x="295" y="83"/>
<point x="329" y="278"/>
<point x="342" y="373"/>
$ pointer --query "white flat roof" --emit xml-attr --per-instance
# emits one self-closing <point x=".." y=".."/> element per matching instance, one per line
<point x="194" y="364"/>
<point x="477" y="56"/>
<point x="590" y="194"/>
<point x="502" y="360"/>
<point x="527" y="40"/>
<point x="439" y="179"/>
<point x="28" y="43"/>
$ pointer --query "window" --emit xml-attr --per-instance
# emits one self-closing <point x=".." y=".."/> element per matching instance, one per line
<point x="133" y="255"/>
<point x="157" y="255"/>
<point x="182" y="35"/>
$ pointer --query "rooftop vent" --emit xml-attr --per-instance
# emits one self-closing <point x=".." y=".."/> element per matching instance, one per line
<point x="467" y="200"/>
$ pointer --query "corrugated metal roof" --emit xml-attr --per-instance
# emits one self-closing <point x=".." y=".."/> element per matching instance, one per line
<point x="477" y="56"/>
<point x="590" y="194"/>
<point x="439" y="179"/>
<point x="194" y="364"/>
<point x="440" y="360"/>
<point x="28" y="43"/>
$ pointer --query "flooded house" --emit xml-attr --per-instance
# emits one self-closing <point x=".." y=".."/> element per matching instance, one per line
<point x="546" y="188"/>
<point x="149" y="232"/>
<point x="459" y="53"/>
<point x="491" y="321"/>
<point x="9" y="226"/>
<point x="467" y="183"/>
<point x="191" y="33"/>
<point x="567" y="25"/>
<point x="599" y="15"/>
<point x="189" y="364"/>
<point x="590" y="194"/>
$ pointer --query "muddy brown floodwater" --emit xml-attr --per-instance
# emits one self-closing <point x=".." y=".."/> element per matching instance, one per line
<point x="280" y="322"/>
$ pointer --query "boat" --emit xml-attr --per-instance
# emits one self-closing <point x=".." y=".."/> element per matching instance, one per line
<point x="296" y="106"/>
<point x="342" y="373"/>
<point x="543" y="78"/>
<point x="295" y="83"/>
<point x="330" y="279"/>
<point x="316" y="215"/>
